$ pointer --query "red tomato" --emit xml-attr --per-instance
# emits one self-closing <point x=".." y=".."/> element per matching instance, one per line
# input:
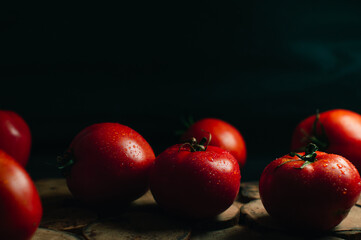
<point x="335" y="131"/>
<point x="20" y="205"/>
<point x="196" y="183"/>
<point x="108" y="163"/>
<point x="15" y="137"/>
<point x="310" y="191"/>
<point x="223" y="134"/>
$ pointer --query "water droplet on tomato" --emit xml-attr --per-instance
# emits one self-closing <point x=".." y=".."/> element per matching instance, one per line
<point x="344" y="191"/>
<point x="325" y="165"/>
<point x="339" y="165"/>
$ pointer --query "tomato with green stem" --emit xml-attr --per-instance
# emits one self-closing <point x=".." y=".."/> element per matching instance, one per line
<point x="310" y="190"/>
<point x="195" y="180"/>
<point x="224" y="135"/>
<point x="335" y="131"/>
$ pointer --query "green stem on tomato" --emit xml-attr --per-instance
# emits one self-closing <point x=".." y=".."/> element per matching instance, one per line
<point x="321" y="139"/>
<point x="65" y="162"/>
<point x="195" y="146"/>
<point x="308" y="158"/>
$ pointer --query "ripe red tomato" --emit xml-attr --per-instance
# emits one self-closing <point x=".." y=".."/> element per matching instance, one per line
<point x="20" y="205"/>
<point x="336" y="131"/>
<point x="15" y="137"/>
<point x="224" y="135"/>
<point x="108" y="163"/>
<point x="193" y="181"/>
<point x="311" y="190"/>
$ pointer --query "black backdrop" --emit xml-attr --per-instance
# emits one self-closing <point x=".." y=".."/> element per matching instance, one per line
<point x="260" y="65"/>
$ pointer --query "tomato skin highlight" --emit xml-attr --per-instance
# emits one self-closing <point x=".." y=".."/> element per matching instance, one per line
<point x="342" y="130"/>
<point x="111" y="165"/>
<point x="15" y="136"/>
<point x="317" y="197"/>
<point x="197" y="184"/>
<point x="224" y="135"/>
<point x="20" y="204"/>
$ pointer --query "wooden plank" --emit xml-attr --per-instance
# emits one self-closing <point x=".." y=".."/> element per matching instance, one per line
<point x="138" y="225"/>
<point x="47" y="234"/>
<point x="145" y="201"/>
<point x="350" y="227"/>
<point x="233" y="233"/>
<point x="67" y="218"/>
<point x="144" y="219"/>
<point x="256" y="216"/>
<point x="248" y="191"/>
<point x="53" y="192"/>
<point x="228" y="218"/>
<point x="60" y="210"/>
<point x="243" y="232"/>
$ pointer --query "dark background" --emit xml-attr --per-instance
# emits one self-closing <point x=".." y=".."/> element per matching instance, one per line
<point x="262" y="66"/>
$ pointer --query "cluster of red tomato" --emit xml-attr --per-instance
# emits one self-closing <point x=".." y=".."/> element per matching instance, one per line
<point x="20" y="205"/>
<point x="109" y="164"/>
<point x="315" y="190"/>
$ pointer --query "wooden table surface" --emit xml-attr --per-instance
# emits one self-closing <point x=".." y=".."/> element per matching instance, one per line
<point x="65" y="218"/>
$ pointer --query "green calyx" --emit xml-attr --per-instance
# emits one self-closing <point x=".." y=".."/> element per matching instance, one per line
<point x="308" y="158"/>
<point x="65" y="162"/>
<point x="195" y="146"/>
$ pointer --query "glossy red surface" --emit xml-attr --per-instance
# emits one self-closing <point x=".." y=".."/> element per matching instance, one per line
<point x="111" y="164"/>
<point x="317" y="197"/>
<point x="20" y="205"/>
<point x="195" y="184"/>
<point x="15" y="136"/>
<point x="224" y="135"/>
<point x="342" y="130"/>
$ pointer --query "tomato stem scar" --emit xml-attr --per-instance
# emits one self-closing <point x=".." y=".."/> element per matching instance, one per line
<point x="195" y="146"/>
<point x="318" y="139"/>
<point x="308" y="158"/>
